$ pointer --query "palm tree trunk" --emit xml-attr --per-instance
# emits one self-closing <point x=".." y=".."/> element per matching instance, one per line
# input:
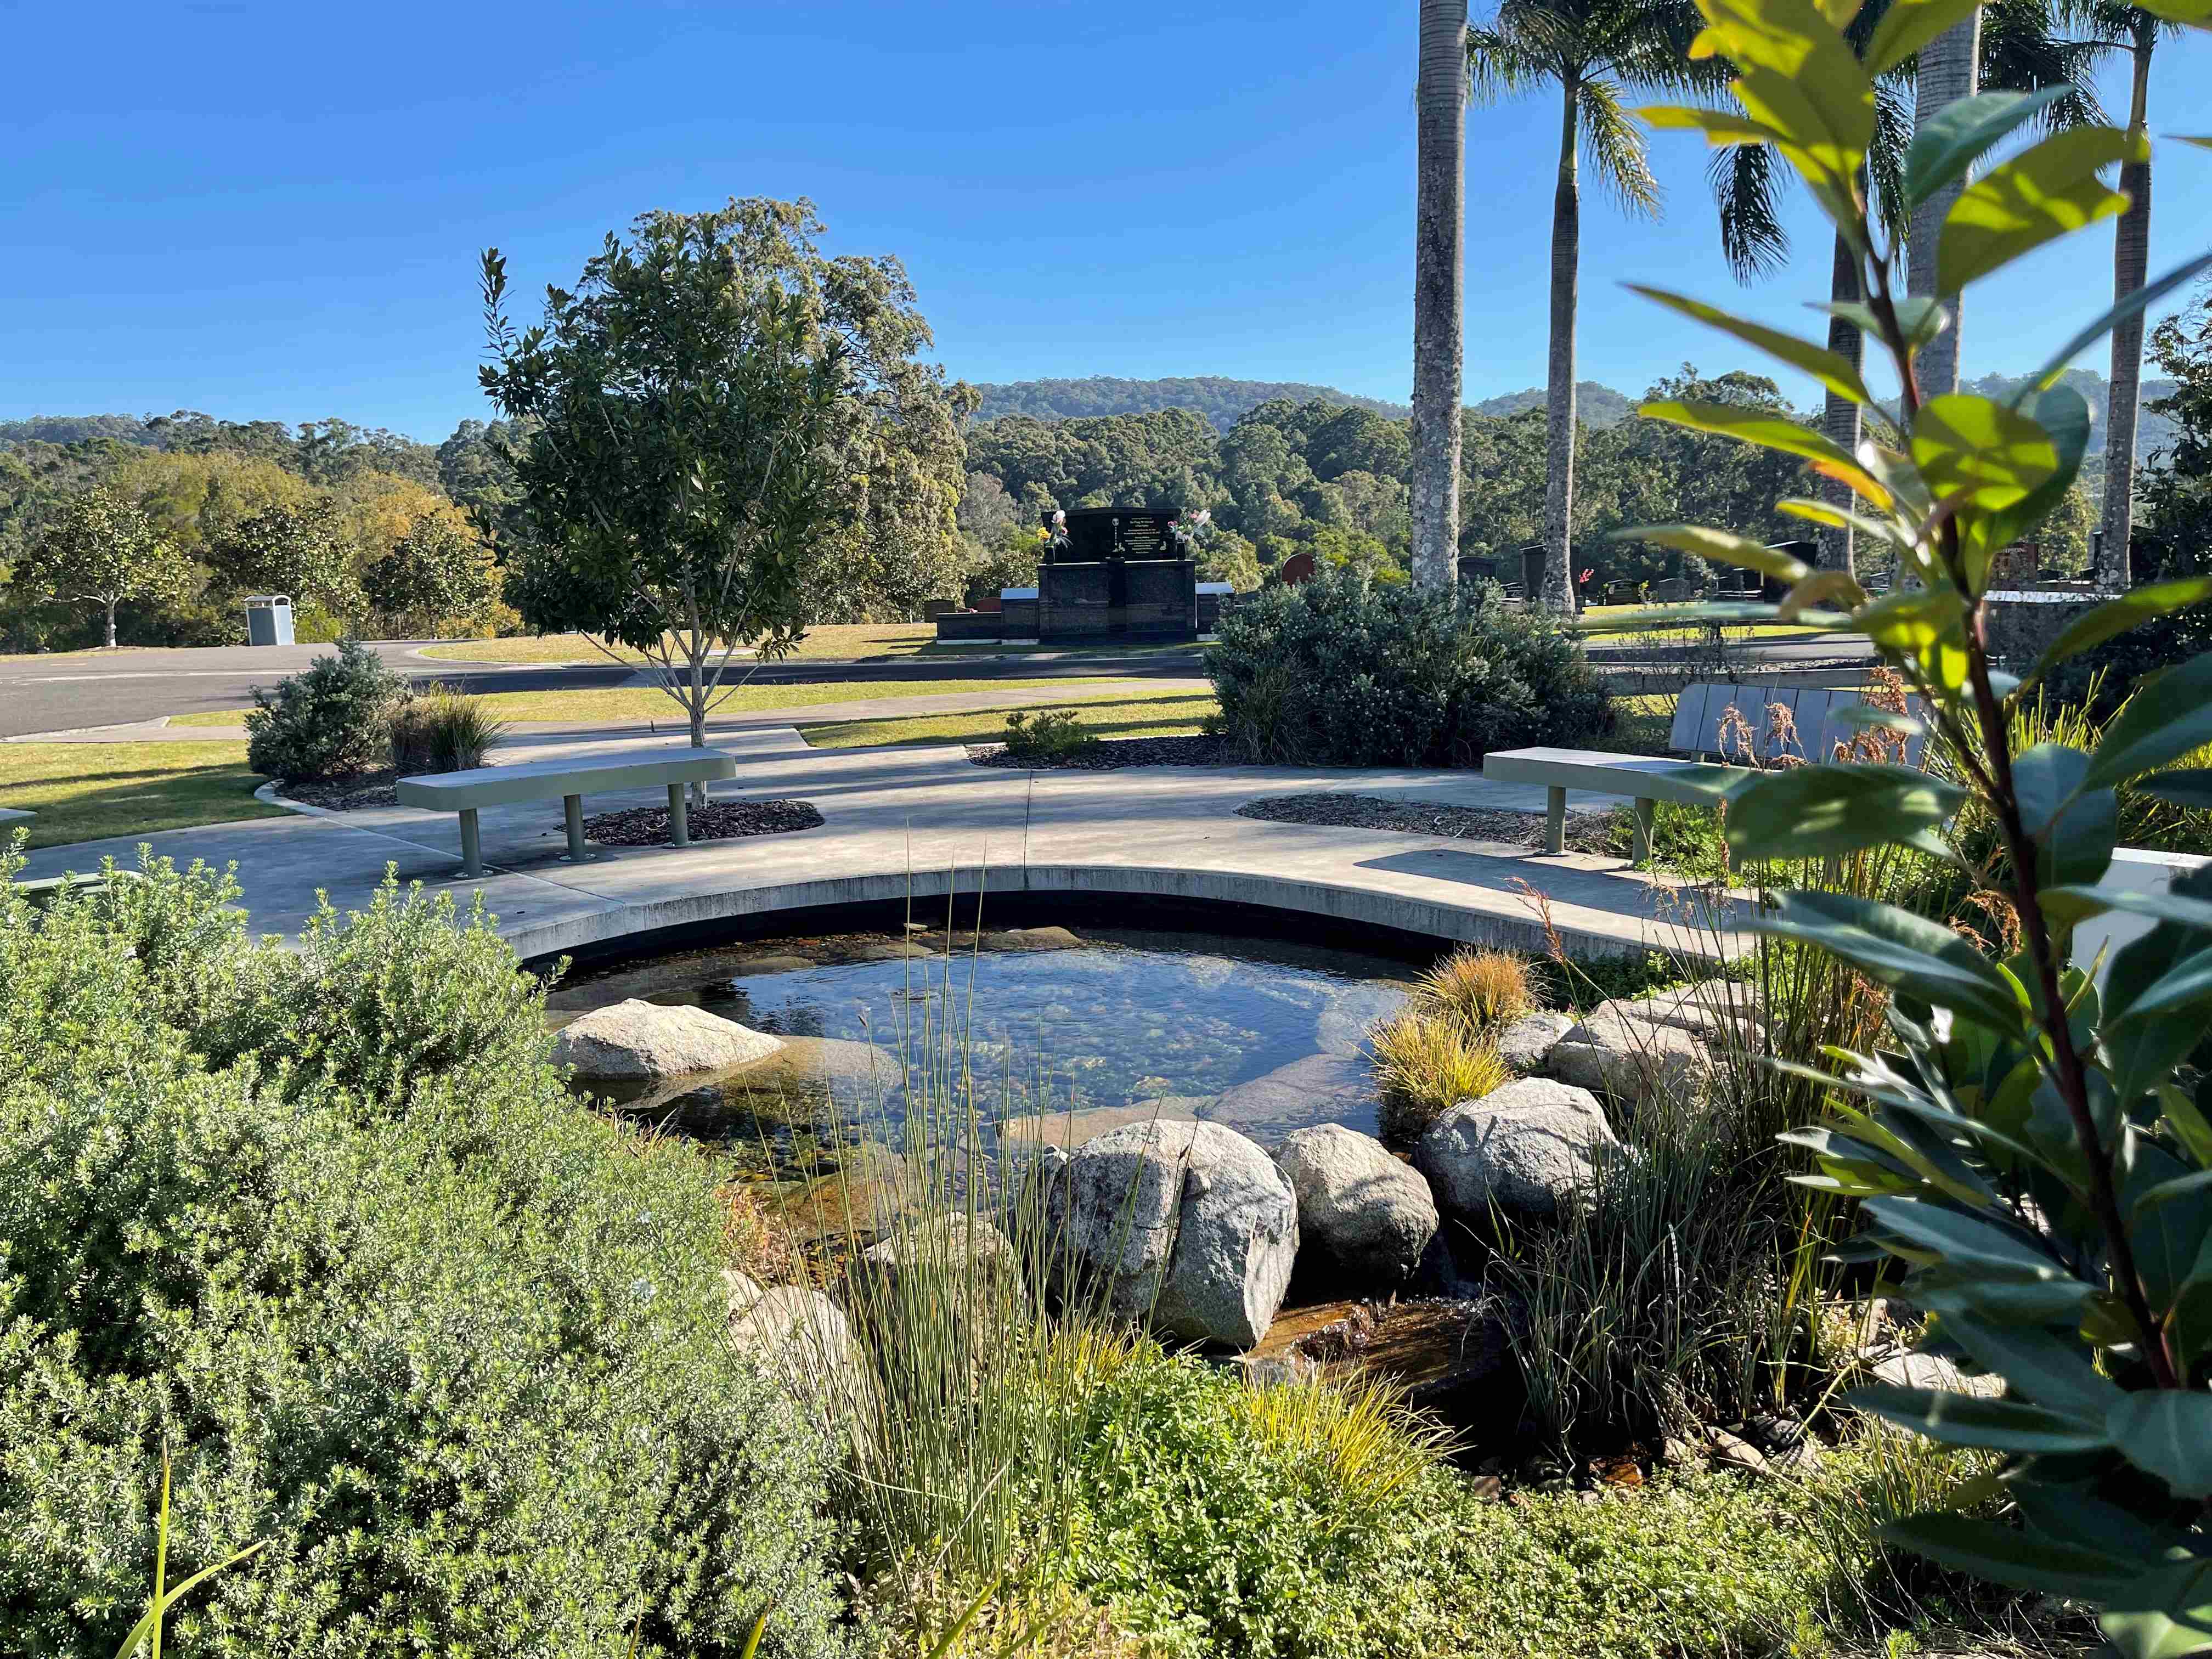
<point x="1559" y="593"/>
<point x="1949" y="70"/>
<point x="2131" y="267"/>
<point x="1840" y="418"/>
<point x="1439" y="291"/>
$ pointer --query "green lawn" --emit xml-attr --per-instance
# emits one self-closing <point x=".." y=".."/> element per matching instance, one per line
<point x="644" y="702"/>
<point x="842" y="642"/>
<point x="1166" y="713"/>
<point x="87" y="791"/>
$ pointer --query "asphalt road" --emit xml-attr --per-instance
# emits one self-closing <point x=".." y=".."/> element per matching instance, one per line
<point x="94" y="689"/>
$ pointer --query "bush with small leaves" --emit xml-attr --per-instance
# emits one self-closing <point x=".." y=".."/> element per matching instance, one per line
<point x="327" y="1228"/>
<point x="332" y="719"/>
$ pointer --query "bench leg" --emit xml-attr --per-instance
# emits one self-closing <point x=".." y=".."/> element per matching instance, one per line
<point x="574" y="807"/>
<point x="1555" y="819"/>
<point x="679" y="827"/>
<point x="1640" y="847"/>
<point x="472" y="844"/>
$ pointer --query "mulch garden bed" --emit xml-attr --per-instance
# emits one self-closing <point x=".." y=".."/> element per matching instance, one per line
<point x="1586" y="832"/>
<point x="721" y="820"/>
<point x="1111" y="754"/>
<point x="357" y="791"/>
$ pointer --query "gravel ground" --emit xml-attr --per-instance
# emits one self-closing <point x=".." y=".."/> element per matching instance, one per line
<point x="1586" y="832"/>
<point x="355" y="793"/>
<point x="647" y="826"/>
<point x="1111" y="754"/>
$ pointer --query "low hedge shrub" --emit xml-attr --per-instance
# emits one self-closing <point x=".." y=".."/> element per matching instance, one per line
<point x="1340" y="672"/>
<point x="327" y="1227"/>
<point x="332" y="718"/>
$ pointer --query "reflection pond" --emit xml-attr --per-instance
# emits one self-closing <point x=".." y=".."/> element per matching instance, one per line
<point x="1094" y="1027"/>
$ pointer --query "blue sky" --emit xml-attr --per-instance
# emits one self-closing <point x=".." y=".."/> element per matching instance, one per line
<point x="265" y="210"/>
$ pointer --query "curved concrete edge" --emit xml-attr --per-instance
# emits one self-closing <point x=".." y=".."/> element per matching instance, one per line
<point x="1465" y="924"/>
<point x="268" y="796"/>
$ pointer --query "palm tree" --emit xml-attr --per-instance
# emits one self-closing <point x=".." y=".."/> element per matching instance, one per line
<point x="1948" y="71"/>
<point x="1440" y="293"/>
<point x="2018" y="53"/>
<point x="2125" y="28"/>
<point x="1592" y="51"/>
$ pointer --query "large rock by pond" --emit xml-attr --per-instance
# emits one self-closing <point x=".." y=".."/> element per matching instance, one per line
<point x="1616" y="1051"/>
<point x="1527" y="1149"/>
<point x="1364" y="1217"/>
<point x="639" y="1041"/>
<point x="1524" y="1044"/>
<point x="1188" y="1225"/>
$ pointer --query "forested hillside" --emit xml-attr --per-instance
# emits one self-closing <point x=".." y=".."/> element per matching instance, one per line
<point x="1225" y="401"/>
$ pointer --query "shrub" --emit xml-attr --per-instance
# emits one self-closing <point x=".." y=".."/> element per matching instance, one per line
<point x="1480" y="987"/>
<point x="328" y="1230"/>
<point x="330" y="720"/>
<point x="1046" y="734"/>
<point x="1425" y="1063"/>
<point x="442" y="731"/>
<point x="1340" y="672"/>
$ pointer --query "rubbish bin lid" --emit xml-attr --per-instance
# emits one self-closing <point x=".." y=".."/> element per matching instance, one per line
<point x="269" y="598"/>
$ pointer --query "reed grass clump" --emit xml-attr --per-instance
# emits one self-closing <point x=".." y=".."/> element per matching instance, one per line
<point x="441" y="730"/>
<point x="1425" y="1063"/>
<point x="1481" y="987"/>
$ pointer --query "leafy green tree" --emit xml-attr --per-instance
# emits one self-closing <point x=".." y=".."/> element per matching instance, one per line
<point x="96" y="549"/>
<point x="683" y="475"/>
<point x="297" y="549"/>
<point x="438" y="573"/>
<point x="1590" y="52"/>
<point x="2024" y="1148"/>
<point x="2178" y="487"/>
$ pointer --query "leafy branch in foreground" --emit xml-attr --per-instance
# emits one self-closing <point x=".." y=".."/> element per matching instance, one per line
<point x="2025" y="1146"/>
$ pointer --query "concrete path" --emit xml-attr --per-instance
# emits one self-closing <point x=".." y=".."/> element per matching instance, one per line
<point x="924" y="821"/>
<point x="855" y="708"/>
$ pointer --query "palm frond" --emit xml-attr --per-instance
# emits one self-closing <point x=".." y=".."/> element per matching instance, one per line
<point x="1613" y="150"/>
<point x="1747" y="189"/>
<point x="2021" y="53"/>
<point x="1893" y="137"/>
<point x="1645" y="45"/>
<point x="1499" y="66"/>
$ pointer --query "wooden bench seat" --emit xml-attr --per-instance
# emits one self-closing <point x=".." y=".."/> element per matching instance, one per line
<point x="467" y="792"/>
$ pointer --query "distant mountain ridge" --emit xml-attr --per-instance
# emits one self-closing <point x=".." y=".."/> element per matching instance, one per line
<point x="1224" y="401"/>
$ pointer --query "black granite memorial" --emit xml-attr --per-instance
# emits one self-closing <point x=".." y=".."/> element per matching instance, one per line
<point x="1116" y="572"/>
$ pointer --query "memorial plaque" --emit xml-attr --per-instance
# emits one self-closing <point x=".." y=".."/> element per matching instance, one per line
<point x="1145" y="536"/>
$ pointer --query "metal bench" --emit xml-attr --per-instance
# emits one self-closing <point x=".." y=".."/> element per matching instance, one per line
<point x="467" y="792"/>
<point x="1817" y="724"/>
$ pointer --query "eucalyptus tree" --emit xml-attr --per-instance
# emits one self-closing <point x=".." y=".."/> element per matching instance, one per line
<point x="1439" y="289"/>
<point x="95" y="548"/>
<point x="2134" y="31"/>
<point x="1590" y="53"/>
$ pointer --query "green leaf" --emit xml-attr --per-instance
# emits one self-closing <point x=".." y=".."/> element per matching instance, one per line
<point x="2165" y="1614"/>
<point x="1813" y="811"/>
<point x="1996" y="456"/>
<point x="2003" y="1555"/>
<point x="2047" y="1369"/>
<point x="2188" y="785"/>
<point x="1961" y="134"/>
<point x="1968" y="1419"/>
<point x="2071" y="905"/>
<point x="1769" y="431"/>
<point x="1961" y="1239"/>
<point x="2075" y="828"/>
<point x="2116" y="617"/>
<point x="1822" y="584"/>
<point x="1879" y="530"/>
<point x="2144" y="297"/>
<point x="1920" y="317"/>
<point x="2063" y="413"/>
<point x="1925" y="626"/>
<point x="1831" y="369"/>
<point x="2045" y="193"/>
<point x="2168" y="1433"/>
<point x="2152" y="730"/>
<point x="1899" y="949"/>
<point x="1748" y="614"/>
<point x="2194" y="14"/>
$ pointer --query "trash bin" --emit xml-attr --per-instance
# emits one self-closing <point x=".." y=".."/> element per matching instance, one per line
<point x="268" y="619"/>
